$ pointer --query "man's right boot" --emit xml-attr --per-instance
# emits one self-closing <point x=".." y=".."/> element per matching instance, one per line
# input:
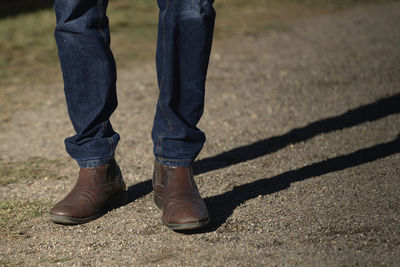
<point x="177" y="195"/>
<point x="95" y="187"/>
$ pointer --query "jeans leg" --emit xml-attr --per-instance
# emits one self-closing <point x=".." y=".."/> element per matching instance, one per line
<point x="89" y="73"/>
<point x="183" y="48"/>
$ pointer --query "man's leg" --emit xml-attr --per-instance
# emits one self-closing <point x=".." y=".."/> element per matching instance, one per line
<point x="183" y="49"/>
<point x="89" y="73"/>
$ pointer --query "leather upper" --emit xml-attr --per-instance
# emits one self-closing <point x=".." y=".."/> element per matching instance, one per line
<point x="181" y="200"/>
<point x="93" y="188"/>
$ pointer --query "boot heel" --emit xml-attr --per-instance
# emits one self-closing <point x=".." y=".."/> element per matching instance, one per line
<point x="158" y="201"/>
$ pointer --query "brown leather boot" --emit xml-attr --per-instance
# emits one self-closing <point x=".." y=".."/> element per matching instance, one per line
<point x="176" y="193"/>
<point x="93" y="189"/>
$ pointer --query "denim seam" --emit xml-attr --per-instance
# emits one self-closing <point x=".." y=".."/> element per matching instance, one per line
<point x="159" y="147"/>
<point x="100" y="9"/>
<point x="104" y="124"/>
<point x="111" y="144"/>
<point x="110" y="140"/>
<point x="164" y="50"/>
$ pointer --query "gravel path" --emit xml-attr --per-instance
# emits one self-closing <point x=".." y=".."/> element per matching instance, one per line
<point x="301" y="164"/>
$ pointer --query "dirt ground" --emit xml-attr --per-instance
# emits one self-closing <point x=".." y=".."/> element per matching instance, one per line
<point x="301" y="164"/>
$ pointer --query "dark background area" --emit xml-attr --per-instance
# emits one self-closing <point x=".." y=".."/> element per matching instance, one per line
<point x="15" y="7"/>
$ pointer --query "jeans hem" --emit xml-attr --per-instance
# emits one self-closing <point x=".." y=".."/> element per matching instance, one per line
<point x="94" y="162"/>
<point x="175" y="162"/>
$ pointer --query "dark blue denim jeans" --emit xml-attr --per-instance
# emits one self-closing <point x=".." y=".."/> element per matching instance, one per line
<point x="89" y="72"/>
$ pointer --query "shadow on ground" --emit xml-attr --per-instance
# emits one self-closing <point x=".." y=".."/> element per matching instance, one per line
<point x="222" y="206"/>
<point x="370" y="112"/>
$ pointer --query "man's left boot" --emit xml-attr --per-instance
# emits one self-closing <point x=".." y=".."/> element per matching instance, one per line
<point x="176" y="193"/>
<point x="95" y="187"/>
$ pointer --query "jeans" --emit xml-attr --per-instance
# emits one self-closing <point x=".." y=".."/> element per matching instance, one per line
<point x="89" y="72"/>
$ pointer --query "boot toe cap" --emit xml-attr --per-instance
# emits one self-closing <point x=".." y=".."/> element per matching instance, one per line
<point x="65" y="210"/>
<point x="186" y="214"/>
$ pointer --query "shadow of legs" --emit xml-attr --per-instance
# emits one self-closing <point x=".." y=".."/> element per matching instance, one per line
<point x="222" y="206"/>
<point x="370" y="112"/>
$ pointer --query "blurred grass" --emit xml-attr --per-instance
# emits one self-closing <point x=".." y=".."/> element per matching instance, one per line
<point x="30" y="169"/>
<point x="13" y="213"/>
<point x="28" y="52"/>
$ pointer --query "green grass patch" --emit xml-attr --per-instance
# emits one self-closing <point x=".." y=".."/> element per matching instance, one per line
<point x="13" y="213"/>
<point x="30" y="169"/>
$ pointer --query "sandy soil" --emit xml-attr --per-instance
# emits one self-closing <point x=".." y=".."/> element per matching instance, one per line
<point x="301" y="164"/>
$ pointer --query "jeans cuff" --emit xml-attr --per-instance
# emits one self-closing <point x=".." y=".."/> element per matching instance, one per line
<point x="93" y="162"/>
<point x="175" y="162"/>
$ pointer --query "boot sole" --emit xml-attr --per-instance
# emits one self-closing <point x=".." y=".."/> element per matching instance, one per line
<point x="187" y="226"/>
<point x="70" y="220"/>
<point x="180" y="226"/>
<point x="117" y="199"/>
